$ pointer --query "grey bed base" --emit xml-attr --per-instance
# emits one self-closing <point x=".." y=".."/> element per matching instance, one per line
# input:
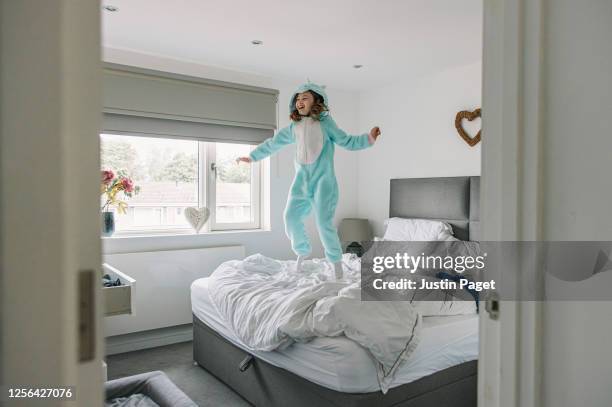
<point x="265" y="385"/>
<point x="453" y="199"/>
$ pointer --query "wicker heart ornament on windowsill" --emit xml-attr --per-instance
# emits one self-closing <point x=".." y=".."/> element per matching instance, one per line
<point x="464" y="114"/>
<point x="197" y="217"/>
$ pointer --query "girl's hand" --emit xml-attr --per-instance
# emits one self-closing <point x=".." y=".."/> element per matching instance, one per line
<point x="245" y="159"/>
<point x="374" y="133"/>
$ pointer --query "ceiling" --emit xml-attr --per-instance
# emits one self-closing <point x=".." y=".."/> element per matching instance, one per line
<point x="316" y="39"/>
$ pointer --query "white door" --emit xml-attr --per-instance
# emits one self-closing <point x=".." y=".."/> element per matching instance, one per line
<point x="49" y="215"/>
<point x="546" y="160"/>
<point x="510" y="345"/>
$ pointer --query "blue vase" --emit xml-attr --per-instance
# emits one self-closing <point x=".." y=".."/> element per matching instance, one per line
<point x="108" y="223"/>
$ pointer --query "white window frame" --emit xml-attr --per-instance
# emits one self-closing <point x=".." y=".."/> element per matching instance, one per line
<point x="211" y="188"/>
<point x="206" y="197"/>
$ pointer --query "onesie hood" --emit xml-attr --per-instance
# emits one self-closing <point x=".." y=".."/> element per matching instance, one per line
<point x="320" y="89"/>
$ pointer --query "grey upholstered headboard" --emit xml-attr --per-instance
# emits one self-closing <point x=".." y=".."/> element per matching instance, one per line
<point x="455" y="200"/>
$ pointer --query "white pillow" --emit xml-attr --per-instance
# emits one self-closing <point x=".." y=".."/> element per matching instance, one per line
<point x="414" y="230"/>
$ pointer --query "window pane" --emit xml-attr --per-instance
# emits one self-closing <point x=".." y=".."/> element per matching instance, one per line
<point x="233" y="184"/>
<point x="166" y="171"/>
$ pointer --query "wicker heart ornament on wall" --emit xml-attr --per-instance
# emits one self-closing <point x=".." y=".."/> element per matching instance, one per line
<point x="464" y="114"/>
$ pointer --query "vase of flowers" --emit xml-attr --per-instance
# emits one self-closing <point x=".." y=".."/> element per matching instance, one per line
<point x="111" y="186"/>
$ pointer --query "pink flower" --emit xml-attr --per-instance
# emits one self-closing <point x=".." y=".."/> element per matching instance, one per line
<point x="107" y="177"/>
<point x="128" y="185"/>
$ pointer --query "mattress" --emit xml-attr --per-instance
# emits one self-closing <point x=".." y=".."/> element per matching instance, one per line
<point x="340" y="364"/>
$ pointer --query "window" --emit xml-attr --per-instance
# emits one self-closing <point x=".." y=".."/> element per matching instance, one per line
<point x="234" y="188"/>
<point x="174" y="174"/>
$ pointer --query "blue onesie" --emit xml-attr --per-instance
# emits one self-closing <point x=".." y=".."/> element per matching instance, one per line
<point x="314" y="185"/>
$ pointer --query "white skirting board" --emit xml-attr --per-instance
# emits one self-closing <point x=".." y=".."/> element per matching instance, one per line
<point x="148" y="339"/>
<point x="163" y="279"/>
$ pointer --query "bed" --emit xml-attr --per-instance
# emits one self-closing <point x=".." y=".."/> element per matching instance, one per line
<point x="338" y="372"/>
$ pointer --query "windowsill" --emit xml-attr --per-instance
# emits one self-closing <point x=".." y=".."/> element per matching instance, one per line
<point x="175" y="240"/>
<point x="174" y="233"/>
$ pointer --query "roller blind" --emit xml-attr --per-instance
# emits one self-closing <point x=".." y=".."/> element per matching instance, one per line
<point x="152" y="103"/>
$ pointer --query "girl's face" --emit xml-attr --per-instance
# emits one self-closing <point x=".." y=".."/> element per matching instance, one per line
<point x="304" y="102"/>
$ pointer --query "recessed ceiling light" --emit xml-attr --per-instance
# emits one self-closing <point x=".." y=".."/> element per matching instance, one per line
<point x="110" y="8"/>
<point x="257" y="42"/>
<point x="357" y="66"/>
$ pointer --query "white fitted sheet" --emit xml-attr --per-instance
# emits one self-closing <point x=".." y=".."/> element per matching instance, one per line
<point x="340" y="364"/>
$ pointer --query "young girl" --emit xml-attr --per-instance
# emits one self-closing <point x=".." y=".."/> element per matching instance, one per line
<point x="314" y="186"/>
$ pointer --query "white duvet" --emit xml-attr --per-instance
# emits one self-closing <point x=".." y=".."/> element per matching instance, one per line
<point x="269" y="305"/>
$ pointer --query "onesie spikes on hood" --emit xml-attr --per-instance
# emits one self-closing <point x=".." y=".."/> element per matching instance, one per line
<point x="320" y="89"/>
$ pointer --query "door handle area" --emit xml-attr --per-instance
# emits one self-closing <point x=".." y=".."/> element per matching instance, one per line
<point x="87" y="315"/>
<point x="492" y="305"/>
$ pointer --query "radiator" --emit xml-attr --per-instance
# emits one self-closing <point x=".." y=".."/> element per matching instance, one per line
<point x="161" y="297"/>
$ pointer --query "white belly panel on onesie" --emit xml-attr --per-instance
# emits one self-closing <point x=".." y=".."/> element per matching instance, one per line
<point x="308" y="140"/>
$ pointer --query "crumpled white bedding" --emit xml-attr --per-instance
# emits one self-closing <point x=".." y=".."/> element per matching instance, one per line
<point x="269" y="305"/>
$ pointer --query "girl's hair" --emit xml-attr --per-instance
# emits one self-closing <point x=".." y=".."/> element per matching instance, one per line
<point x="317" y="108"/>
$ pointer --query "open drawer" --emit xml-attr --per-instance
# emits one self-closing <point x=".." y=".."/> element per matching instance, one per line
<point x="118" y="300"/>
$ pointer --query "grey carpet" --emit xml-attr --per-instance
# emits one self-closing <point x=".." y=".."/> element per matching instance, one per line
<point x="177" y="362"/>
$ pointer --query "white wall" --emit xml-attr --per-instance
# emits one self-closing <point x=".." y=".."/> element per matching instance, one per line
<point x="419" y="139"/>
<point x="272" y="243"/>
